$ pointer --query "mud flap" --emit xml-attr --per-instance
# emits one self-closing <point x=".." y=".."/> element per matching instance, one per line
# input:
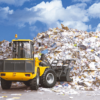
<point x="68" y="79"/>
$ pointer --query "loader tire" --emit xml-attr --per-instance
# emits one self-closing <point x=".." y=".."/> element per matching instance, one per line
<point x="34" y="83"/>
<point x="5" y="84"/>
<point x="48" y="79"/>
<point x="27" y="83"/>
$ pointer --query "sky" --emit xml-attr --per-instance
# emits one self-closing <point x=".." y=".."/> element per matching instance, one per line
<point x="27" y="18"/>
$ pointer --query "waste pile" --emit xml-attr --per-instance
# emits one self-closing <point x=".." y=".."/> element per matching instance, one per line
<point x="5" y="50"/>
<point x="68" y="43"/>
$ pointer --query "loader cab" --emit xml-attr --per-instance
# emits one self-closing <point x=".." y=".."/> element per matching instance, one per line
<point x="22" y="48"/>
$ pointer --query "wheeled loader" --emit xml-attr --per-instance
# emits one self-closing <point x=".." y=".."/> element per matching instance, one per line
<point x="24" y="67"/>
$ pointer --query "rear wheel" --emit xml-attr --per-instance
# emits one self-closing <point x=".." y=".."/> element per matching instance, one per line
<point x="48" y="79"/>
<point x="5" y="84"/>
<point x="34" y="83"/>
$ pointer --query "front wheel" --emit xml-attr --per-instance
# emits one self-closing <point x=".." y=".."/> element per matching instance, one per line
<point x="34" y="83"/>
<point x="48" y="79"/>
<point x="5" y="84"/>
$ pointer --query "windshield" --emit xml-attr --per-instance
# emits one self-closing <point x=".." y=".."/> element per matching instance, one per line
<point x="22" y="49"/>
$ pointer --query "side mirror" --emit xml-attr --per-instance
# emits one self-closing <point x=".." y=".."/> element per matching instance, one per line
<point x="9" y="44"/>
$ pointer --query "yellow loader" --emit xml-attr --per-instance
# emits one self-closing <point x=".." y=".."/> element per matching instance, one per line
<point x="23" y="67"/>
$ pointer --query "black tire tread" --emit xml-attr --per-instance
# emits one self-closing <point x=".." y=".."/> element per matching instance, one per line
<point x="33" y="83"/>
<point x="43" y="81"/>
<point x="5" y="84"/>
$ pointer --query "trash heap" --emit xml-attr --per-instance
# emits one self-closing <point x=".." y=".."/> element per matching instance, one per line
<point x="5" y="50"/>
<point x="67" y="43"/>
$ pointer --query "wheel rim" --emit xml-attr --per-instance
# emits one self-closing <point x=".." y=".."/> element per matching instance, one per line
<point x="37" y="79"/>
<point x="50" y="78"/>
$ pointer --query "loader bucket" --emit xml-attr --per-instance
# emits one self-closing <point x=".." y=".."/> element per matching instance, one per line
<point x="68" y="79"/>
<point x="65" y="76"/>
<point x="63" y="71"/>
